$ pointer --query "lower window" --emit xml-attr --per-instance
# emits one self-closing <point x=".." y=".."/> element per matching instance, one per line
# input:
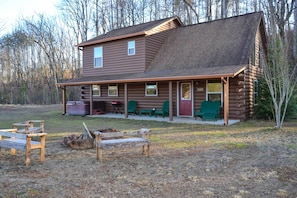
<point x="112" y="90"/>
<point x="151" y="89"/>
<point x="214" y="90"/>
<point x="96" y="90"/>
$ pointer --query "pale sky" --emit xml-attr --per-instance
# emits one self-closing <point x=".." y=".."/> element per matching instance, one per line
<point x="12" y="10"/>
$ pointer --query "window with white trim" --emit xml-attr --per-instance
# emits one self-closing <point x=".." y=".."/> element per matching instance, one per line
<point x="96" y="90"/>
<point x="151" y="89"/>
<point x="98" y="57"/>
<point x="113" y="90"/>
<point x="214" y="90"/>
<point x="131" y="48"/>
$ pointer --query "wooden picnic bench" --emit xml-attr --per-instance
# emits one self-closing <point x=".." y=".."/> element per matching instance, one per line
<point x="29" y="126"/>
<point x="112" y="140"/>
<point x="12" y="140"/>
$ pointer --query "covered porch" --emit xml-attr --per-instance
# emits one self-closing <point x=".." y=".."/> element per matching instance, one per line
<point x="130" y="85"/>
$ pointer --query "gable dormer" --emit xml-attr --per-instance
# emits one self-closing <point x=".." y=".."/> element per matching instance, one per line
<point x="125" y="50"/>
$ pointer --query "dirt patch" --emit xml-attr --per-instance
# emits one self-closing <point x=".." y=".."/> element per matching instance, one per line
<point x="263" y="164"/>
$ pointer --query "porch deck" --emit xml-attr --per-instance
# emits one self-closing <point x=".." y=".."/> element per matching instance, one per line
<point x="186" y="120"/>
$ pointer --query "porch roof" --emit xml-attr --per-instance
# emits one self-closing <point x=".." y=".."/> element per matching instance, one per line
<point x="161" y="75"/>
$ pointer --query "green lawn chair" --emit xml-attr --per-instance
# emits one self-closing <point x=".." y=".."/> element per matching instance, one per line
<point x="165" y="109"/>
<point x="204" y="105"/>
<point x="132" y="106"/>
<point x="209" y="110"/>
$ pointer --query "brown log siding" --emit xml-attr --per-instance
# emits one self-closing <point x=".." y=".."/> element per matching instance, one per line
<point x="241" y="99"/>
<point x="136" y="91"/>
<point x="199" y="93"/>
<point x="237" y="98"/>
<point x="115" y="58"/>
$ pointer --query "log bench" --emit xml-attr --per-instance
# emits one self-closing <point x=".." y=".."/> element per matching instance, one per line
<point x="12" y="140"/>
<point x="29" y="126"/>
<point x="112" y="140"/>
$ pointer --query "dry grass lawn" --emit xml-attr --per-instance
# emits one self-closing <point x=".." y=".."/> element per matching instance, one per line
<point x="250" y="159"/>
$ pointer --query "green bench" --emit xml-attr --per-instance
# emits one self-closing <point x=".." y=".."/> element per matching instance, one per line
<point x="154" y="111"/>
<point x="209" y="110"/>
<point x="146" y="111"/>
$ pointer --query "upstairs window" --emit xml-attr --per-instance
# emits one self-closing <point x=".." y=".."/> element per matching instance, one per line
<point x="214" y="91"/>
<point x="113" y="90"/>
<point x="151" y="89"/>
<point x="131" y="48"/>
<point x="96" y="90"/>
<point x="98" y="57"/>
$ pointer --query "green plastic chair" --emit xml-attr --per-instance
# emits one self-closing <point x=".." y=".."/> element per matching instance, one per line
<point x="132" y="106"/>
<point x="209" y="110"/>
<point x="165" y="109"/>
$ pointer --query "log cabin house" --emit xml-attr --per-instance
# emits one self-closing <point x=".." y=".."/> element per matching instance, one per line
<point x="166" y="60"/>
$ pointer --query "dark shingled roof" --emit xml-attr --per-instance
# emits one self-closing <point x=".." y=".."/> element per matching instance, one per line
<point x="225" y="42"/>
<point x="131" y="30"/>
<point x="207" y="50"/>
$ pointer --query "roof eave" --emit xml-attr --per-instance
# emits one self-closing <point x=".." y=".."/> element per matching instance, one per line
<point x="172" y="19"/>
<point x="173" y="78"/>
<point x="128" y="35"/>
<point x="111" y="39"/>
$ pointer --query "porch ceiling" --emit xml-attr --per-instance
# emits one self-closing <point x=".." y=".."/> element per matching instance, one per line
<point x="164" y="75"/>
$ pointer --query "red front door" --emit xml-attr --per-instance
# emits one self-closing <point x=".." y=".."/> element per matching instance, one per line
<point x="185" y="99"/>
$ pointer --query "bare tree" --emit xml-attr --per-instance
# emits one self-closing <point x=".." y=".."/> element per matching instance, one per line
<point x="44" y="33"/>
<point x="77" y="15"/>
<point x="280" y="77"/>
<point x="295" y="35"/>
<point x="2" y="25"/>
<point x="190" y="4"/>
<point x="280" y="13"/>
<point x="224" y="8"/>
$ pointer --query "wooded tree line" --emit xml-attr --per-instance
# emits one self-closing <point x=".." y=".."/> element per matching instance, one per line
<point x="40" y="51"/>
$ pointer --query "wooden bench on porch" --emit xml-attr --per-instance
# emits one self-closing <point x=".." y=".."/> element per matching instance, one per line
<point x="12" y="140"/>
<point x="122" y="140"/>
